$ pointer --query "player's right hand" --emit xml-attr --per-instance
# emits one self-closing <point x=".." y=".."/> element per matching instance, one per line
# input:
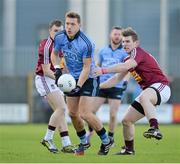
<point x="57" y="74"/>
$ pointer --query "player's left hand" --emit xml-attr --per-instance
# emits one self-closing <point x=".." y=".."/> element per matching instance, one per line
<point x="75" y="91"/>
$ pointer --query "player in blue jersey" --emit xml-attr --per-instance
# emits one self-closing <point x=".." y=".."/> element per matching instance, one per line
<point x="78" y="53"/>
<point x="107" y="56"/>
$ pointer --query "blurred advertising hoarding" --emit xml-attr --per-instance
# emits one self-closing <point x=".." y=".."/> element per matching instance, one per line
<point x="20" y="113"/>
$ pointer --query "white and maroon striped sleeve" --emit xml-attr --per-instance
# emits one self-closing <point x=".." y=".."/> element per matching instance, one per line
<point x="46" y="50"/>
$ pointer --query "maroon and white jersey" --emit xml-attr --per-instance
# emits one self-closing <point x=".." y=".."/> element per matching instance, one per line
<point x="147" y="71"/>
<point x="44" y="55"/>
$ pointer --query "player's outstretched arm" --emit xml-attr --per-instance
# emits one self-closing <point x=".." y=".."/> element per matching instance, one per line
<point x="117" y="68"/>
<point x="111" y="82"/>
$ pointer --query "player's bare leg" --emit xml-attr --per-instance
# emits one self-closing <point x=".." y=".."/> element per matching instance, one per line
<point x="73" y="107"/>
<point x="114" y="106"/>
<point x="128" y="121"/>
<point x="148" y="99"/>
<point x="85" y="107"/>
<point x="57" y="120"/>
<point x="97" y="105"/>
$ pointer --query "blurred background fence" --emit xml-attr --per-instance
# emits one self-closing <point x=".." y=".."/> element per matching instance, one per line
<point x="24" y="23"/>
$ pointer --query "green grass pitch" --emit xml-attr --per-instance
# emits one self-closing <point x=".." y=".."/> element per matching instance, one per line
<point x="21" y="144"/>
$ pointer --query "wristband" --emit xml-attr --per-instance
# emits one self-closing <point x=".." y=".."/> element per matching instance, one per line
<point x="104" y="70"/>
<point x="57" y="66"/>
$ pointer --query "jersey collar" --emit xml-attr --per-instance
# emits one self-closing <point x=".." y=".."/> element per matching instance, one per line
<point x="75" y="37"/>
<point x="120" y="46"/>
<point x="51" y="38"/>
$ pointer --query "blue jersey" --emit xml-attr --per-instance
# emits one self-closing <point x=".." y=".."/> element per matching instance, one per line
<point x="108" y="57"/>
<point x="74" y="51"/>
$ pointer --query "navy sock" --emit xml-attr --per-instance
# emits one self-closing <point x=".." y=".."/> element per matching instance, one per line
<point x="103" y="136"/>
<point x="82" y="136"/>
<point x="111" y="134"/>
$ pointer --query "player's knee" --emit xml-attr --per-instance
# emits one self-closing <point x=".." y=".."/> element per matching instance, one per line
<point x="84" y="116"/>
<point x="113" y="116"/>
<point x="126" y="122"/>
<point x="60" y="112"/>
<point x="73" y="114"/>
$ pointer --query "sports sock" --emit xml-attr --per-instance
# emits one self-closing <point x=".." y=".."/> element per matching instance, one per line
<point x="130" y="145"/>
<point x="153" y="123"/>
<point x="90" y="128"/>
<point x="103" y="136"/>
<point x="111" y="135"/>
<point x="82" y="136"/>
<point x="50" y="133"/>
<point x="65" y="140"/>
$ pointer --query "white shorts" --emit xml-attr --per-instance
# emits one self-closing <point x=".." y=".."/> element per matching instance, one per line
<point x="46" y="85"/>
<point x="164" y="91"/>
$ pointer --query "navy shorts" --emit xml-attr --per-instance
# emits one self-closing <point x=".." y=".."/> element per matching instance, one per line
<point x="112" y="93"/>
<point x="89" y="88"/>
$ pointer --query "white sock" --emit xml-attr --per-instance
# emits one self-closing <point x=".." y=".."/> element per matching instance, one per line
<point x="65" y="141"/>
<point x="49" y="134"/>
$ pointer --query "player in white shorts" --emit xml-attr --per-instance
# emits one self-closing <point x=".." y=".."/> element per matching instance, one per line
<point x="45" y="85"/>
<point x="155" y="89"/>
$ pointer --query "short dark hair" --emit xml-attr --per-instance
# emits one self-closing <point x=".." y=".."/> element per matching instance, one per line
<point x="72" y="14"/>
<point x="116" y="28"/>
<point x="129" y="31"/>
<point x="56" y="22"/>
